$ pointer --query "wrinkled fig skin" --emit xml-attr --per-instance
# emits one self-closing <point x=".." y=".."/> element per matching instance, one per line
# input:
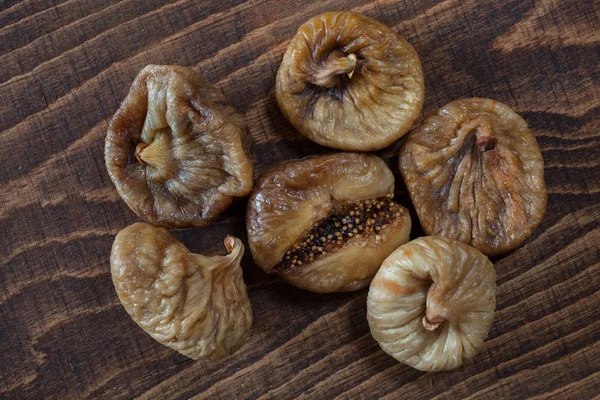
<point x="432" y="302"/>
<point x="475" y="173"/>
<point x="349" y="82"/>
<point x="176" y="150"/>
<point x="194" y="304"/>
<point x="316" y="222"/>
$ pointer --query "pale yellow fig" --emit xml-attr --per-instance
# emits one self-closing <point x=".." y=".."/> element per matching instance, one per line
<point x="195" y="304"/>
<point x="432" y="302"/>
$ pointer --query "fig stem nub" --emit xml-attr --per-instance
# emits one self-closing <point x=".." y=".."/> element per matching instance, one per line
<point x="138" y="150"/>
<point x="352" y="58"/>
<point x="486" y="143"/>
<point x="229" y="243"/>
<point x="335" y="65"/>
<point x="431" y="325"/>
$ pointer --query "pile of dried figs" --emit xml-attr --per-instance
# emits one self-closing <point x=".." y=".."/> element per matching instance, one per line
<point x="179" y="154"/>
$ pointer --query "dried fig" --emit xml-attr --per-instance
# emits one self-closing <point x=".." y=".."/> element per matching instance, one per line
<point x="349" y="82"/>
<point x="475" y="173"/>
<point x="195" y="304"/>
<point x="326" y="223"/>
<point x="176" y="150"/>
<point x="432" y="303"/>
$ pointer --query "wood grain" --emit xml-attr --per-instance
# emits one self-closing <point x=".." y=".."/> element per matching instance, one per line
<point x="67" y="64"/>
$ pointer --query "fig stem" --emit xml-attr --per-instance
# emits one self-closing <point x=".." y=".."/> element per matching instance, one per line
<point x="486" y="143"/>
<point x="138" y="150"/>
<point x="352" y="58"/>
<point x="229" y="243"/>
<point x="483" y="130"/>
<point x="335" y="65"/>
<point x="433" y="324"/>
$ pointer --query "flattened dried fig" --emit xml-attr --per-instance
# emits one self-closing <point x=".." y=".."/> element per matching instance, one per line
<point x="475" y="173"/>
<point x="432" y="302"/>
<point x="325" y="224"/>
<point x="195" y="304"/>
<point x="176" y="150"/>
<point x="349" y="82"/>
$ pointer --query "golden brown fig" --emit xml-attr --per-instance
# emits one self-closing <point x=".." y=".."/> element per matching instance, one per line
<point x="195" y="304"/>
<point x="326" y="223"/>
<point x="432" y="303"/>
<point x="475" y="173"/>
<point x="349" y="82"/>
<point x="176" y="150"/>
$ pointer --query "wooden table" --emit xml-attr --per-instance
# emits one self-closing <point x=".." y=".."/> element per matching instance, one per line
<point x="65" y="65"/>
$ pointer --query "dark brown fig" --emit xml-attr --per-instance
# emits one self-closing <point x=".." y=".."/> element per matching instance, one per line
<point x="475" y="173"/>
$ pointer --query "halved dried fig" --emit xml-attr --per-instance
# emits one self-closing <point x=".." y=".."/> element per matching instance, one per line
<point x="349" y="82"/>
<point x="176" y="150"/>
<point x="475" y="173"/>
<point x="432" y="302"/>
<point x="326" y="223"/>
<point x="195" y="304"/>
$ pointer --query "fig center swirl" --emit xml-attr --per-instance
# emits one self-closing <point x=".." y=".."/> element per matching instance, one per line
<point x="329" y="74"/>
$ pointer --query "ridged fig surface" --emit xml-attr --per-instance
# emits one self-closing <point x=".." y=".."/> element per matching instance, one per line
<point x="349" y="82"/>
<point x="195" y="304"/>
<point x="475" y="173"/>
<point x="176" y="151"/>
<point x="432" y="302"/>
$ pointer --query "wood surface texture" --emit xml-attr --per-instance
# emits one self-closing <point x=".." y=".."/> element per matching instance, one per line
<point x="65" y="65"/>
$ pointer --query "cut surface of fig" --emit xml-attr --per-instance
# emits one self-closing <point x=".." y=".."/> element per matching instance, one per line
<point x="176" y="151"/>
<point x="475" y="173"/>
<point x="432" y="302"/>
<point x="195" y="304"/>
<point x="349" y="82"/>
<point x="326" y="223"/>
